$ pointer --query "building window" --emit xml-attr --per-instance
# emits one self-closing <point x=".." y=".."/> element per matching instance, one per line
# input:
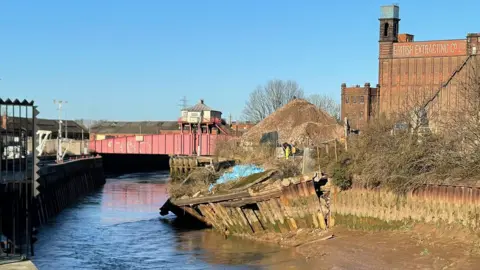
<point x="354" y="99"/>
<point x="346" y="99"/>
<point x="361" y="115"/>
<point x="361" y="99"/>
<point x="385" y="30"/>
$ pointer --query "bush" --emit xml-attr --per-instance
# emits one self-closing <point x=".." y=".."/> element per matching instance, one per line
<point x="407" y="159"/>
<point x="289" y="168"/>
<point x="341" y="176"/>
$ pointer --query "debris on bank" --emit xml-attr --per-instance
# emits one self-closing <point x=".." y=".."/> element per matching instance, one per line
<point x="237" y="172"/>
<point x="204" y="182"/>
<point x="297" y="122"/>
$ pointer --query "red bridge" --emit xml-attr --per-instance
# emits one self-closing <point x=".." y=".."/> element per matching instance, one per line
<point x="158" y="144"/>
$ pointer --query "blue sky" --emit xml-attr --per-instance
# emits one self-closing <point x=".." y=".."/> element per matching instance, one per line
<point x="135" y="60"/>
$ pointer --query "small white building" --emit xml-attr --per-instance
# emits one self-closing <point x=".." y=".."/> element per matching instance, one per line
<point x="193" y="115"/>
<point x="202" y="118"/>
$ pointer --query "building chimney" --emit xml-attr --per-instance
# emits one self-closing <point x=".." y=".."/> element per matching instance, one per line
<point x="201" y="101"/>
<point x="473" y="43"/>
<point x="402" y="38"/>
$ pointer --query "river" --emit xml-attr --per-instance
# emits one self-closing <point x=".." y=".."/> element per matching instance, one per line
<point x="119" y="227"/>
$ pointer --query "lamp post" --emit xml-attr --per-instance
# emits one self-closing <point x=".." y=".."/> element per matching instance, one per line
<point x="59" y="137"/>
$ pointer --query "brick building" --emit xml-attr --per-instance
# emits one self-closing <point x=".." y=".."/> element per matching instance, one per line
<point x="424" y="74"/>
<point x="359" y="104"/>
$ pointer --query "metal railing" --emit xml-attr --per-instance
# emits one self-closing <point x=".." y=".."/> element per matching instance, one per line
<point x="17" y="165"/>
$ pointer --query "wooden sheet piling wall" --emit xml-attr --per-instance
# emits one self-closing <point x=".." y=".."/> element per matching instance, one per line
<point x="428" y="204"/>
<point x="296" y="206"/>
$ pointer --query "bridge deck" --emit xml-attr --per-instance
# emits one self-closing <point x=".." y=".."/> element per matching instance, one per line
<point x="158" y="144"/>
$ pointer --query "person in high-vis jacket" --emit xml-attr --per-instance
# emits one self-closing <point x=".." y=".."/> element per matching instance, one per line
<point x="287" y="148"/>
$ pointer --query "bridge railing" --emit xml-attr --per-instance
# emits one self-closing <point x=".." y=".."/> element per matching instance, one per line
<point x="158" y="144"/>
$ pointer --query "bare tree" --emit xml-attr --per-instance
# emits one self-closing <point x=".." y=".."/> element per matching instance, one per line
<point x="266" y="99"/>
<point x="462" y="123"/>
<point x="326" y="104"/>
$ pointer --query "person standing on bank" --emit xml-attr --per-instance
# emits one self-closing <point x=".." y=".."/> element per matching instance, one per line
<point x="287" y="148"/>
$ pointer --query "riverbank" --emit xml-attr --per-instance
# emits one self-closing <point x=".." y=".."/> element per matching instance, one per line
<point x="419" y="247"/>
<point x="23" y="265"/>
<point x="367" y="228"/>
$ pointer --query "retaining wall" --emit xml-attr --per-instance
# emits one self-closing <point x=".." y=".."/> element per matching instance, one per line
<point x="64" y="183"/>
<point x="369" y="209"/>
<point x="60" y="185"/>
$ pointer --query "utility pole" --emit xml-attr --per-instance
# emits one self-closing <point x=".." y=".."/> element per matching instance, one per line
<point x="59" y="137"/>
<point x="183" y="103"/>
<point x="82" y="151"/>
<point x="200" y="134"/>
<point x="66" y="127"/>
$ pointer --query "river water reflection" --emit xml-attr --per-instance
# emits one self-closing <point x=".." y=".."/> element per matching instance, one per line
<point x="119" y="227"/>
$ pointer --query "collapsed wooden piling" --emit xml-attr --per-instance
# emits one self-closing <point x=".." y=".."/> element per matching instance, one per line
<point x="280" y="205"/>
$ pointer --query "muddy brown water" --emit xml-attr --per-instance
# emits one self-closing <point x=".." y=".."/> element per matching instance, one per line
<point x="119" y="227"/>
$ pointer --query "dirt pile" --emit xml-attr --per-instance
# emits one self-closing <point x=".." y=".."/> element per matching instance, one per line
<point x="315" y="133"/>
<point x="297" y="122"/>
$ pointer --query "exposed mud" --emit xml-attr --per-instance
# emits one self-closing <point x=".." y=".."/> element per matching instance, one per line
<point x="423" y="247"/>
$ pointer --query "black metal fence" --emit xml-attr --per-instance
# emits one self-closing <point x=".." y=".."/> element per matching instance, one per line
<point x="17" y="178"/>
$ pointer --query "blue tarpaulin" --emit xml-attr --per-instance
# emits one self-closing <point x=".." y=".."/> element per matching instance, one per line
<point x="237" y="172"/>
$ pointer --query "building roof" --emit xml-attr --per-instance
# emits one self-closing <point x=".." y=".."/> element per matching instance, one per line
<point x="52" y="125"/>
<point x="200" y="106"/>
<point x="46" y="124"/>
<point x="141" y="127"/>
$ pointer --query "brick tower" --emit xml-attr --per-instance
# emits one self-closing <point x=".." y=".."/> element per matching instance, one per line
<point x="388" y="35"/>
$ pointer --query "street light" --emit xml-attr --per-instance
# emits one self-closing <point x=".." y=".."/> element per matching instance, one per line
<point x="59" y="137"/>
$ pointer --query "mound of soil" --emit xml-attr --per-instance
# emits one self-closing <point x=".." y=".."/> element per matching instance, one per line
<point x="297" y="122"/>
<point x="311" y="132"/>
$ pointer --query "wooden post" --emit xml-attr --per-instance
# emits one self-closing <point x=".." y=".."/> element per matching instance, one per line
<point x="336" y="155"/>
<point x="345" y="125"/>
<point x="303" y="163"/>
<point x="318" y="159"/>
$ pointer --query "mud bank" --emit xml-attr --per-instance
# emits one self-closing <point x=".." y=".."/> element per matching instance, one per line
<point x="420" y="247"/>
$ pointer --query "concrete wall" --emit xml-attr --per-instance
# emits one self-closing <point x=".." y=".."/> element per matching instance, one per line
<point x="369" y="209"/>
<point x="75" y="147"/>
